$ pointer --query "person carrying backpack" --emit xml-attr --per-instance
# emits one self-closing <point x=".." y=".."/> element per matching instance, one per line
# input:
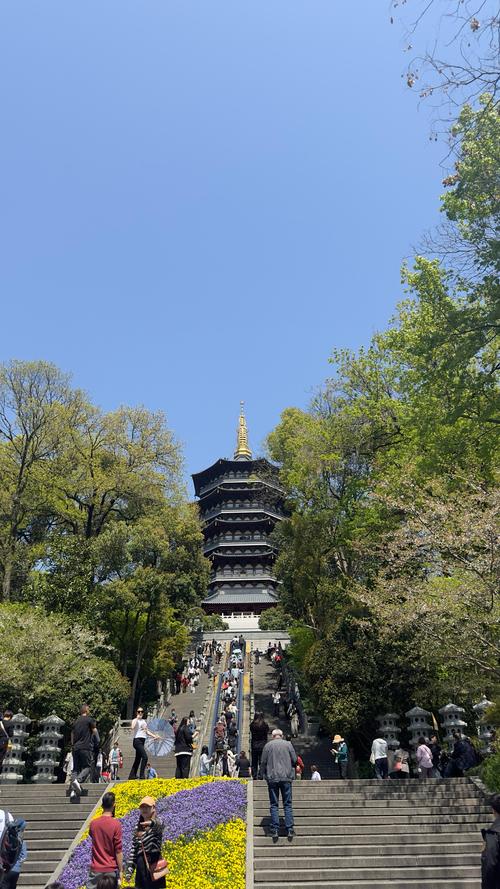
<point x="13" y="849"/>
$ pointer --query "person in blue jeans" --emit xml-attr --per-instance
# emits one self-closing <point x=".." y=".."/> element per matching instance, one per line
<point x="278" y="768"/>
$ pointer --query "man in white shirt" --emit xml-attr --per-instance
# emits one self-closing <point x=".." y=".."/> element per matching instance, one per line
<point x="379" y="758"/>
<point x="315" y="775"/>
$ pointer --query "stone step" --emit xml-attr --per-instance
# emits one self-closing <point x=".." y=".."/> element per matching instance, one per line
<point x="400" y="786"/>
<point x="361" y="783"/>
<point x="50" y="833"/>
<point x="39" y="865"/>
<point x="396" y="818"/>
<point x="349" y="839"/>
<point x="30" y="881"/>
<point x="344" y="827"/>
<point x="50" y="850"/>
<point x="45" y="791"/>
<point x="312" y="848"/>
<point x="377" y="810"/>
<point x="311" y="791"/>
<point x="47" y="845"/>
<point x="44" y="813"/>
<point x="336" y="862"/>
<point x="315" y="874"/>
<point x="383" y="883"/>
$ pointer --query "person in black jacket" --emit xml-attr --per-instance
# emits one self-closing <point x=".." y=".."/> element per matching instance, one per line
<point x="490" y="858"/>
<point x="435" y="748"/>
<point x="183" y="749"/>
<point x="243" y="765"/>
<point x="146" y="847"/>
<point x="259" y="731"/>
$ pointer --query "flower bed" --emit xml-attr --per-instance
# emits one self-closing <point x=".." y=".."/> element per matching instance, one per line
<point x="203" y="831"/>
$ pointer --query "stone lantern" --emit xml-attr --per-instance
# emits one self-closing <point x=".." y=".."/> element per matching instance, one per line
<point x="451" y="721"/>
<point x="12" y="771"/>
<point x="389" y="729"/>
<point x="48" y="750"/>
<point x="484" y="728"/>
<point x="419" y="724"/>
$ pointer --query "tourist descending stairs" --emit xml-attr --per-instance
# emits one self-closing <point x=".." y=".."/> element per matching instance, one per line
<point x="52" y="823"/>
<point x="368" y="834"/>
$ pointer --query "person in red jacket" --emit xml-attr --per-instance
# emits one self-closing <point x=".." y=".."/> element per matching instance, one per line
<point x="107" y="849"/>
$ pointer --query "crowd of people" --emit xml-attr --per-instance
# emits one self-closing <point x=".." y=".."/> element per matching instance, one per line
<point x="273" y="758"/>
<point x="224" y="760"/>
<point x="431" y="759"/>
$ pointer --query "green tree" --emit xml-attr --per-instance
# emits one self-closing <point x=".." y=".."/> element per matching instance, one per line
<point x="50" y="664"/>
<point x="472" y="201"/>
<point x="37" y="405"/>
<point x="275" y="620"/>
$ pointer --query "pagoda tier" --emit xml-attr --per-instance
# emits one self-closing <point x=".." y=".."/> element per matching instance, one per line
<point x="240" y="504"/>
<point x="223" y="554"/>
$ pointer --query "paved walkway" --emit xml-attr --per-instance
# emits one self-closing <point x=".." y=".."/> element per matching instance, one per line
<point x="312" y="749"/>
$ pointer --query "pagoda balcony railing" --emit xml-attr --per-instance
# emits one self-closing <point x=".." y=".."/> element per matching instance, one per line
<point x="242" y="555"/>
<point x="251" y="511"/>
<point x="248" y="575"/>
<point x="240" y="540"/>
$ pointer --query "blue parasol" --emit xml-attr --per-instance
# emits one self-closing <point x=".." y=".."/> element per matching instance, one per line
<point x="166" y="743"/>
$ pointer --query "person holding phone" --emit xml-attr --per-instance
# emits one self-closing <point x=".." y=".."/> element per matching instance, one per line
<point x="107" y="850"/>
<point x="150" y="867"/>
<point x="141" y="732"/>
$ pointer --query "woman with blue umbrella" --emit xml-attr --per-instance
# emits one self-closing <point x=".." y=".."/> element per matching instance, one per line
<point x="141" y="732"/>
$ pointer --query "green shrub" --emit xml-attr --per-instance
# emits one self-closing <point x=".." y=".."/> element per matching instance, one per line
<point x="491" y="773"/>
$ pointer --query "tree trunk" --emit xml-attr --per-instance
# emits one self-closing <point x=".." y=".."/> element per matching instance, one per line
<point x="141" y="651"/>
<point x="7" y="576"/>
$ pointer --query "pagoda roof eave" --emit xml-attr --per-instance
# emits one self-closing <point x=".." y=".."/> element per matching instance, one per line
<point x="230" y="466"/>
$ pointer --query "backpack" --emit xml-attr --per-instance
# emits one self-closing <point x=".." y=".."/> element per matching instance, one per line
<point x="471" y="759"/>
<point x="11" y="842"/>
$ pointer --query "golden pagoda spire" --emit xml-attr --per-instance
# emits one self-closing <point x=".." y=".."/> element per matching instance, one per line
<point x="242" y="451"/>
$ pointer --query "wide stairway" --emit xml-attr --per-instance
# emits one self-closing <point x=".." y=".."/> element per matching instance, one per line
<point x="374" y="835"/>
<point x="183" y="704"/>
<point x="52" y="824"/>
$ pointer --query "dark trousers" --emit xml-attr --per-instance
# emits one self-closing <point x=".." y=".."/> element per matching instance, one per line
<point x="182" y="765"/>
<point x="343" y="768"/>
<point x="82" y="765"/>
<point x="9" y="880"/>
<point x="256" y="758"/>
<point x="141" y="757"/>
<point x="274" y="789"/>
<point x="382" y="767"/>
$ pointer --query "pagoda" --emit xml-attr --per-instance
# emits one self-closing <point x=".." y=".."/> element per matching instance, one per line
<point x="240" y="503"/>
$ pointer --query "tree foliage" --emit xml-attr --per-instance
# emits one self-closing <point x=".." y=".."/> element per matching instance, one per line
<point x="389" y="559"/>
<point x="49" y="664"/>
<point x="94" y="524"/>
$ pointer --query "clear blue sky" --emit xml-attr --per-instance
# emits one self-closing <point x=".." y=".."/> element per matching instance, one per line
<point x="200" y="200"/>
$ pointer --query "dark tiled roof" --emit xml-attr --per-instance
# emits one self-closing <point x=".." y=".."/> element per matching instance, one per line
<point x="242" y="597"/>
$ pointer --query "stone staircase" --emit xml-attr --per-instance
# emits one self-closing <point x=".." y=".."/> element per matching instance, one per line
<point x="52" y="824"/>
<point x="367" y="834"/>
<point x="183" y="703"/>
